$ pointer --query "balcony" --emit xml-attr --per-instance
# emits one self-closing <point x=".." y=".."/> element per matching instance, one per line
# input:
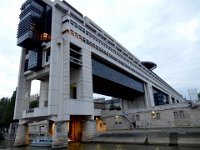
<point x="36" y="112"/>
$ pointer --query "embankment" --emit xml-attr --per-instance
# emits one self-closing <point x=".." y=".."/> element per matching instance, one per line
<point x="151" y="137"/>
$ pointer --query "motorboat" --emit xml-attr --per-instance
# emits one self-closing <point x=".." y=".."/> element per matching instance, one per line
<point x="42" y="141"/>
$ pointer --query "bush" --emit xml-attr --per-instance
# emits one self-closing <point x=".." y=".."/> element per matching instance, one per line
<point x="34" y="104"/>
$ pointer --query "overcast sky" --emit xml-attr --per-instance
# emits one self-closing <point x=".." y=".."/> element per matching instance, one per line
<point x="166" y="32"/>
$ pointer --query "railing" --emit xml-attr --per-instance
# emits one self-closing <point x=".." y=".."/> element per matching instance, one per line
<point x="75" y="60"/>
<point x="181" y="130"/>
<point x="110" y="113"/>
<point x="35" y="112"/>
<point x="30" y="111"/>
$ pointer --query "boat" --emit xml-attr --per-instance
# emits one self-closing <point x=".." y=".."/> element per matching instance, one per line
<point x="42" y="141"/>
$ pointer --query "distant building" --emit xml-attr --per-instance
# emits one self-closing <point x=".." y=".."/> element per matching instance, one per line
<point x="193" y="94"/>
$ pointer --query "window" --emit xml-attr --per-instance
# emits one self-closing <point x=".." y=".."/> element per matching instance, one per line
<point x="181" y="114"/>
<point x="45" y="103"/>
<point x="73" y="93"/>
<point x="133" y="117"/>
<point x="33" y="59"/>
<point x="176" y="115"/>
<point x="101" y="125"/>
<point x="158" y="116"/>
<point x="47" y="58"/>
<point x="137" y="118"/>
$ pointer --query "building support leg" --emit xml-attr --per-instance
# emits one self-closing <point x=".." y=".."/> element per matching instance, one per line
<point x="21" y="138"/>
<point x="89" y="130"/>
<point x="60" y="135"/>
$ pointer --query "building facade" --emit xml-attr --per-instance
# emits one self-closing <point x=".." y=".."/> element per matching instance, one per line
<point x="180" y="115"/>
<point x="74" y="58"/>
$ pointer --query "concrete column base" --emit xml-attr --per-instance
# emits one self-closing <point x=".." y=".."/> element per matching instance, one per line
<point x="89" y="130"/>
<point x="60" y="135"/>
<point x="21" y="138"/>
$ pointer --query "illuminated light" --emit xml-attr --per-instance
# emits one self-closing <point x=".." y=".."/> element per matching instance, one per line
<point x="153" y="114"/>
<point x="44" y="36"/>
<point x="116" y="116"/>
<point x="53" y="126"/>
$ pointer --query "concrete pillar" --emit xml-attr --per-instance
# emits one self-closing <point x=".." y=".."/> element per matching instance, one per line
<point x="85" y="79"/>
<point x="149" y="99"/>
<point x="170" y="100"/>
<point x="43" y="93"/>
<point x="23" y="90"/>
<point x="21" y="137"/>
<point x="60" y="135"/>
<point x="89" y="130"/>
<point x="55" y="95"/>
<point x="146" y="96"/>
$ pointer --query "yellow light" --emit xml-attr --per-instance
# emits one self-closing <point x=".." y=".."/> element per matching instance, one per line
<point x="44" y="36"/>
<point x="153" y="114"/>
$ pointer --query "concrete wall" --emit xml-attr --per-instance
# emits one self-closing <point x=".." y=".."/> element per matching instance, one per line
<point x="179" y="115"/>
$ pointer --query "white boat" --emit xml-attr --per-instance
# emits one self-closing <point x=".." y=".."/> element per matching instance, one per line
<point x="42" y="141"/>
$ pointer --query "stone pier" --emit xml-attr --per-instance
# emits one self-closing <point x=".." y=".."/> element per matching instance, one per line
<point x="89" y="130"/>
<point x="21" y="138"/>
<point x="60" y="135"/>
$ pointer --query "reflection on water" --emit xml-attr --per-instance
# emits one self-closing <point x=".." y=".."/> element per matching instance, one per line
<point x="99" y="146"/>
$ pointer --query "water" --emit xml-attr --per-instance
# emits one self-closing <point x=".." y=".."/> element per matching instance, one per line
<point x="100" y="146"/>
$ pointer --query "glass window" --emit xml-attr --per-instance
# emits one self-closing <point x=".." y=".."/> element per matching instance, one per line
<point x="73" y="90"/>
<point x="176" y="115"/>
<point x="48" y="52"/>
<point x="33" y="58"/>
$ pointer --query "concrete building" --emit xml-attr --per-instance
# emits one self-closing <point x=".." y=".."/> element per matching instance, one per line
<point x="178" y="115"/>
<point x="74" y="58"/>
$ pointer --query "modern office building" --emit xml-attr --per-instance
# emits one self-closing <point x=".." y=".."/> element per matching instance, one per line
<point x="74" y="58"/>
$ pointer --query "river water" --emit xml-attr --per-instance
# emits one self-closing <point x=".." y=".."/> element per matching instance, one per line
<point x="100" y="146"/>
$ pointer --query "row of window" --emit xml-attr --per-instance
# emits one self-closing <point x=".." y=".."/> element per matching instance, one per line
<point x="100" y="41"/>
<point x="131" y="58"/>
<point x="135" y="117"/>
<point x="113" y="75"/>
<point x="140" y="67"/>
<point x="155" y="115"/>
<point x="71" y="32"/>
<point x="179" y="114"/>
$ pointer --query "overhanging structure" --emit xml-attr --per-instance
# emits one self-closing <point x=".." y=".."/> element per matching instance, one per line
<point x="74" y="58"/>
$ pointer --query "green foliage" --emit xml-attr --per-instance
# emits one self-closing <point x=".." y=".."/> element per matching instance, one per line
<point x="118" y="108"/>
<point x="199" y="95"/>
<point x="34" y="104"/>
<point x="113" y="107"/>
<point x="7" y="110"/>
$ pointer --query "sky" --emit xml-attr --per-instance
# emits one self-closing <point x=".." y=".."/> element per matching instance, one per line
<point x="166" y="32"/>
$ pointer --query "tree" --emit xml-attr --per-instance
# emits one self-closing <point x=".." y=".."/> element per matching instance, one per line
<point x="199" y="95"/>
<point x="7" y="110"/>
<point x="34" y="104"/>
<point x="112" y="106"/>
